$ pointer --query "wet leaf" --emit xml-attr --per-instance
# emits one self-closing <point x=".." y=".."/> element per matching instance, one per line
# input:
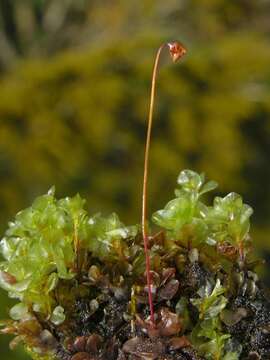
<point x="168" y="291"/>
<point x="93" y="343"/>
<point x="58" y="315"/>
<point x="190" y="180"/>
<point x="80" y="343"/>
<point x="232" y="317"/>
<point x="168" y="323"/>
<point x="18" y="311"/>
<point x="209" y="186"/>
<point x="210" y="304"/>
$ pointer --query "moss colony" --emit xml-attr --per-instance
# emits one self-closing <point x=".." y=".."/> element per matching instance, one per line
<point x="81" y="281"/>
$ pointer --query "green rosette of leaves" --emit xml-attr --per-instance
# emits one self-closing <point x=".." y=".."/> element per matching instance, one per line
<point x="57" y="258"/>
<point x="44" y="250"/>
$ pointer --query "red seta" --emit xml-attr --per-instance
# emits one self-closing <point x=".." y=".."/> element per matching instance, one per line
<point x="177" y="51"/>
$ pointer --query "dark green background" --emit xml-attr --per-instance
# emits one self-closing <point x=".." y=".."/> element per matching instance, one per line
<point x="75" y="78"/>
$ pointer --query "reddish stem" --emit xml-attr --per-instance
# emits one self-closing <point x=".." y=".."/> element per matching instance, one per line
<point x="177" y="50"/>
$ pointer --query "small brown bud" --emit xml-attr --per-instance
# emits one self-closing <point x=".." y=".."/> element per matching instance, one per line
<point x="179" y="342"/>
<point x="177" y="50"/>
<point x="79" y="343"/>
<point x="69" y="344"/>
<point x="93" y="343"/>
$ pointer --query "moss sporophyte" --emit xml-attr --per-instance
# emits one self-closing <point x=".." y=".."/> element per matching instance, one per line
<point x="177" y="50"/>
<point x="90" y="288"/>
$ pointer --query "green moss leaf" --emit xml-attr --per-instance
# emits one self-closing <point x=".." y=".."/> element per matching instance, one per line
<point x="210" y="304"/>
<point x="229" y="218"/>
<point x="18" y="311"/>
<point x="175" y="214"/>
<point x="58" y="315"/>
<point x="107" y="237"/>
<point x="213" y="349"/>
<point x="190" y="181"/>
<point x="209" y="186"/>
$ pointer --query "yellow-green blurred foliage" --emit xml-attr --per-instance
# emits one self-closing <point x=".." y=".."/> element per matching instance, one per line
<point x="75" y="92"/>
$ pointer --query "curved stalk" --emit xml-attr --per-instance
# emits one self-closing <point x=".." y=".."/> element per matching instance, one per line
<point x="177" y="50"/>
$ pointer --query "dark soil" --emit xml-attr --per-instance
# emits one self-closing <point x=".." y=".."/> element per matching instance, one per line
<point x="109" y="334"/>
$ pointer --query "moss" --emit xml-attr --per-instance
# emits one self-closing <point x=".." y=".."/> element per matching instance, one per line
<point x="80" y="278"/>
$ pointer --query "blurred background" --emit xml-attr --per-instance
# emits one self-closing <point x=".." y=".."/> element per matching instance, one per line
<point x="74" y="94"/>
